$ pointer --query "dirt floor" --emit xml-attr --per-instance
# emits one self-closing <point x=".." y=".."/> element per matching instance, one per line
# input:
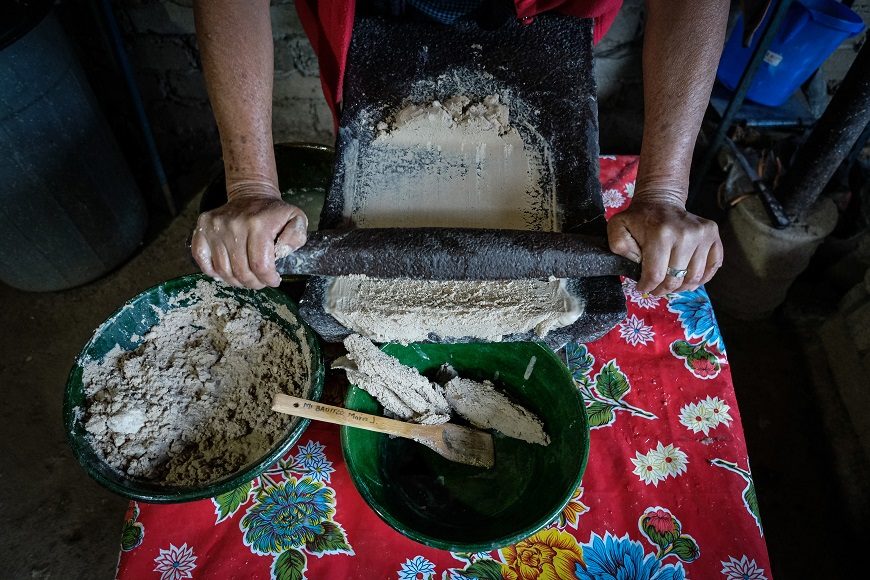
<point x="56" y="523"/>
<point x="54" y="520"/>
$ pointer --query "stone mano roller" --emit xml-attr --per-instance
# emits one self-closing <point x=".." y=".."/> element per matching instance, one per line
<point x="455" y="254"/>
<point x="543" y="71"/>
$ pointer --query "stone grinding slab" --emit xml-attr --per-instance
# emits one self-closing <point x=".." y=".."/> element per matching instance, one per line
<point x="543" y="70"/>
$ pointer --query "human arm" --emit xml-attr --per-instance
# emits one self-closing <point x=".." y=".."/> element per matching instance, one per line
<point x="682" y="44"/>
<point x="236" y="242"/>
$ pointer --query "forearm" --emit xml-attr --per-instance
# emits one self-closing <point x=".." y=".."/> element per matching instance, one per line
<point x="682" y="44"/>
<point x="235" y="43"/>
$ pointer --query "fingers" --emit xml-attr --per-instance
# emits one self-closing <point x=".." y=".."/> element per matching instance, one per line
<point x="696" y="268"/>
<point x="261" y="258"/>
<point x="679" y="258"/>
<point x="221" y="259"/>
<point x="656" y="254"/>
<point x="714" y="261"/>
<point x="236" y="242"/>
<point x="295" y="232"/>
<point x="622" y="242"/>
<point x="201" y="252"/>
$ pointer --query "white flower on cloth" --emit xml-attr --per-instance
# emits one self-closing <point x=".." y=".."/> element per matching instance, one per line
<point x="629" y="189"/>
<point x="646" y="469"/>
<point x="718" y="410"/>
<point x="175" y="563"/>
<point x="417" y="568"/>
<point x="697" y="417"/>
<point x="612" y="198"/>
<point x="645" y="301"/>
<point x="659" y="463"/>
<point x="635" y="332"/>
<point x="742" y="569"/>
<point x="669" y="459"/>
<point x="706" y="414"/>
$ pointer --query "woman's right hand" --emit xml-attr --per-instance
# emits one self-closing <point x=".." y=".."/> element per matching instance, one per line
<point x="236" y="242"/>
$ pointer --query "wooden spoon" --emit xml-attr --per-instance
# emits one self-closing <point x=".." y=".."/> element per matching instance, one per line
<point x="452" y="442"/>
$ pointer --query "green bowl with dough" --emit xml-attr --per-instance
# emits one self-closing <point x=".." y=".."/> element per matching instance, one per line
<point x="461" y="508"/>
<point x="125" y="328"/>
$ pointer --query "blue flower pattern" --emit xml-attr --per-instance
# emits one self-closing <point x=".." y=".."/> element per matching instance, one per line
<point x="287" y="515"/>
<point x="415" y="566"/>
<point x="319" y="470"/>
<point x="310" y="453"/>
<point x="695" y="313"/>
<point x="612" y="558"/>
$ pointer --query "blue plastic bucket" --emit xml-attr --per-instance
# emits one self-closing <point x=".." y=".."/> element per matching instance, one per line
<point x="809" y="33"/>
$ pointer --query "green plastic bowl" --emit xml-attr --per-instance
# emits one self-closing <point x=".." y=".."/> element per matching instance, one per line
<point x="131" y="322"/>
<point x="461" y="508"/>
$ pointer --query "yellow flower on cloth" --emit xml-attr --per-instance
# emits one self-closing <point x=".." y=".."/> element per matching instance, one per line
<point x="572" y="512"/>
<point x="548" y="555"/>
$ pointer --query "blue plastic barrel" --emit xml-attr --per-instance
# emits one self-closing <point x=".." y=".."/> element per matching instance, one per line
<point x="810" y="32"/>
<point x="70" y="210"/>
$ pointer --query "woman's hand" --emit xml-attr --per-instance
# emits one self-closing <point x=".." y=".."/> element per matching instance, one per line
<point x="236" y="242"/>
<point x="657" y="231"/>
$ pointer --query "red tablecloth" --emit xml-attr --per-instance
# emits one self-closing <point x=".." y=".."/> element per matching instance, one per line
<point x="667" y="493"/>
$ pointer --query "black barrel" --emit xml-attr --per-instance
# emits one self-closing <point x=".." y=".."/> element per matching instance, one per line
<point x="70" y="210"/>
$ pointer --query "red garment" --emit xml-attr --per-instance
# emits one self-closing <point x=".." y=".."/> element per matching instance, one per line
<point x="329" y="25"/>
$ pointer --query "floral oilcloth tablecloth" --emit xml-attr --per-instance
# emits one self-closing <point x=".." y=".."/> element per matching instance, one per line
<point x="667" y="493"/>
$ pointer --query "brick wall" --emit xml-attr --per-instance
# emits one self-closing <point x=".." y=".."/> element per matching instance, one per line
<point x="161" y="41"/>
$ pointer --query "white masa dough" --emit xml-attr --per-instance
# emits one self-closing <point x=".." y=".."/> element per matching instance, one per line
<point x="408" y="395"/>
<point x="409" y="310"/>
<point x="402" y="390"/>
<point x="458" y="163"/>
<point x="484" y="407"/>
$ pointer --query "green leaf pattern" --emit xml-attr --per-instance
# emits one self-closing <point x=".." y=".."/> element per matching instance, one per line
<point x="483" y="569"/>
<point x="605" y="392"/>
<point x="289" y="565"/>
<point x="133" y="532"/>
<point x="227" y="504"/>
<point x="750" y="500"/>
<point x="332" y="541"/>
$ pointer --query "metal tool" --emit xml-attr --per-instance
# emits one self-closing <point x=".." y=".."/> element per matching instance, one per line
<point x="775" y="212"/>
<point x="455" y="254"/>
<point x="452" y="442"/>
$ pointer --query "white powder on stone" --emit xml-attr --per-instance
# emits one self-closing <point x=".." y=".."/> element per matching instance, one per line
<point x="408" y="310"/>
<point x="453" y="164"/>
<point x="402" y="390"/>
<point x="192" y="402"/>
<point x="483" y="406"/>
<point x="456" y="163"/>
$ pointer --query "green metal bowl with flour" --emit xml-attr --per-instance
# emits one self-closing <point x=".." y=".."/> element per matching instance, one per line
<point x="125" y="331"/>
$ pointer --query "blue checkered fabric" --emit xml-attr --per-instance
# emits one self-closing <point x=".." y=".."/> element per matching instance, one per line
<point x="445" y="11"/>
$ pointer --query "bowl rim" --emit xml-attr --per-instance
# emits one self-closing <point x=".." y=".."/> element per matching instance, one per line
<point x="225" y="484"/>
<point x="506" y="539"/>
